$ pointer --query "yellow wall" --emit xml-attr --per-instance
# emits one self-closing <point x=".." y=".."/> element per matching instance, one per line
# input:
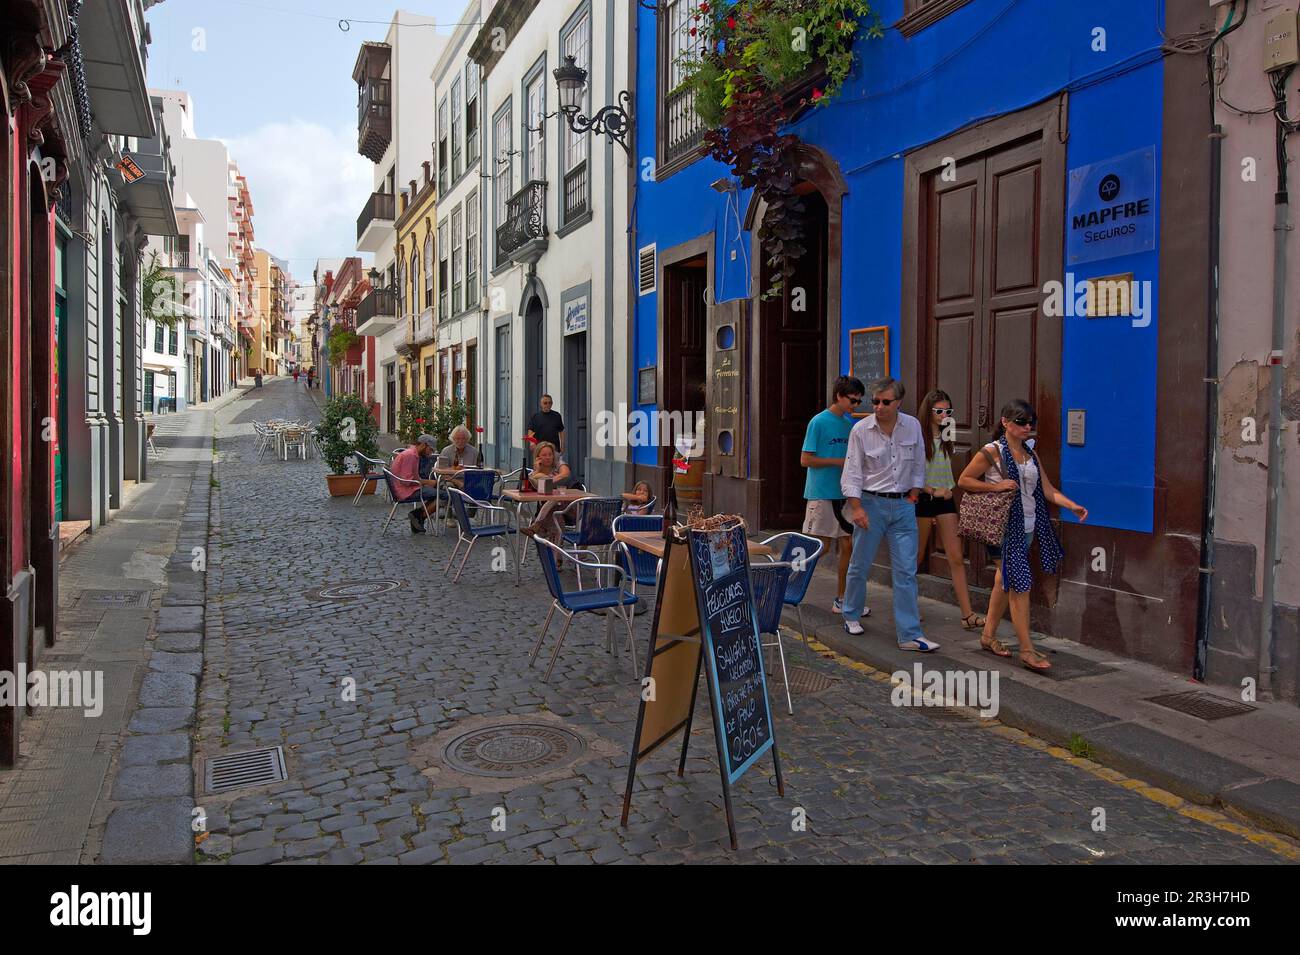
<point x="419" y="220"/>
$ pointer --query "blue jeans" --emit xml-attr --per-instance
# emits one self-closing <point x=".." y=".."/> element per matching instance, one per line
<point x="895" y="520"/>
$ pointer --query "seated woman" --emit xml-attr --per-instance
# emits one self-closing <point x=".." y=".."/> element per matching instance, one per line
<point x="637" y="500"/>
<point x="547" y="463"/>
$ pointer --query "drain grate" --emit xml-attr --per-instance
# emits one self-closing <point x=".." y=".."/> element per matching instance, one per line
<point x="804" y="681"/>
<point x="238" y="770"/>
<point x="353" y="589"/>
<point x="1205" y="706"/>
<point x="114" y="598"/>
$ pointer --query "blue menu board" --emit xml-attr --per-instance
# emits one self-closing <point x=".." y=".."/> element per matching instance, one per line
<point x="729" y="630"/>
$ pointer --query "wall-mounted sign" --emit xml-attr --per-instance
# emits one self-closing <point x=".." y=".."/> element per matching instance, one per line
<point x="129" y="170"/>
<point x="575" y="315"/>
<point x="1112" y="207"/>
<point x="647" y="385"/>
<point x="869" y="353"/>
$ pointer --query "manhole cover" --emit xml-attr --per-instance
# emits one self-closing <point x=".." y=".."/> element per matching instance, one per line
<point x="114" y="598"/>
<point x="804" y="681"/>
<point x="513" y="750"/>
<point x="237" y="770"/>
<point x="353" y="589"/>
<point x="1204" y="706"/>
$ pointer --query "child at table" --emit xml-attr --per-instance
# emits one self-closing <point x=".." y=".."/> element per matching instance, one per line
<point x="637" y="500"/>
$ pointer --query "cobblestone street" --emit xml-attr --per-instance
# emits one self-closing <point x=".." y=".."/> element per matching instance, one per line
<point x="365" y="780"/>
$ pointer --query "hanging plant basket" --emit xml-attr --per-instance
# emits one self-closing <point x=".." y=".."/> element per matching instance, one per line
<point x="754" y="64"/>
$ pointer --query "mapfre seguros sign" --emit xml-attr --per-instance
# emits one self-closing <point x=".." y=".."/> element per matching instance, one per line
<point x="1112" y="207"/>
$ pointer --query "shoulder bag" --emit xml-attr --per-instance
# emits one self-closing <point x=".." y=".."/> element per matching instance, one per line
<point x="983" y="516"/>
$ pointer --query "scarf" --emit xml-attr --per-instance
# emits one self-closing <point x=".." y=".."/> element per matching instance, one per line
<point x="1016" y="574"/>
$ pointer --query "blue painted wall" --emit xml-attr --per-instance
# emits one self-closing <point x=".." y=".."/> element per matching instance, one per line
<point x="987" y="59"/>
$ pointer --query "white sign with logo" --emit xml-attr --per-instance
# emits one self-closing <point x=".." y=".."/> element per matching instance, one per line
<point x="575" y="315"/>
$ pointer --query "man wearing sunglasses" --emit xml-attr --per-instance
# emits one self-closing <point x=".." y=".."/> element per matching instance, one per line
<point x="823" y="451"/>
<point x="884" y="472"/>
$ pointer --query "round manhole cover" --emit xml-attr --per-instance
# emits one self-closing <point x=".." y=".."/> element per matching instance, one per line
<point x="351" y="590"/>
<point x="513" y="750"/>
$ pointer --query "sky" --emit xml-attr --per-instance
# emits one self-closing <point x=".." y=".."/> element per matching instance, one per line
<point x="273" y="80"/>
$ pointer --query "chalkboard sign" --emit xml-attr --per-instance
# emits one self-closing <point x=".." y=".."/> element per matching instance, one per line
<point x="869" y="353"/>
<point x="729" y="625"/>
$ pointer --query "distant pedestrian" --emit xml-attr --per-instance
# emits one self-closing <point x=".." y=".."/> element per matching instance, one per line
<point x="935" y="508"/>
<point x="311" y="377"/>
<point x="546" y="425"/>
<point x="257" y="377"/>
<point x="884" y="472"/>
<point x="1009" y="464"/>
<point x="295" y="376"/>
<point x="824" y="446"/>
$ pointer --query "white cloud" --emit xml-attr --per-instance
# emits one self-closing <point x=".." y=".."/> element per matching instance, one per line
<point x="308" y="185"/>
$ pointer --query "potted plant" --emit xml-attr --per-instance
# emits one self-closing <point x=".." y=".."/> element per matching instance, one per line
<point x="423" y="413"/>
<point x="346" y="427"/>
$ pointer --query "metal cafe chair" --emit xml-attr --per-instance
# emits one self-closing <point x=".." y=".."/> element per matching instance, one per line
<point x="372" y="471"/>
<point x="593" y="524"/>
<point x="396" y="488"/>
<point x="469" y="532"/>
<point x="769" y="582"/>
<point x="801" y="552"/>
<point x="570" y="603"/>
<point x="478" y="483"/>
<point x="641" y="568"/>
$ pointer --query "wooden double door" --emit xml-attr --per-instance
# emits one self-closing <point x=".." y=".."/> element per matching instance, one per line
<point x="988" y="241"/>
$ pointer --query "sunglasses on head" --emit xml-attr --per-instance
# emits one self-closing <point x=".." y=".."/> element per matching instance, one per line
<point x="883" y="401"/>
<point x="942" y="411"/>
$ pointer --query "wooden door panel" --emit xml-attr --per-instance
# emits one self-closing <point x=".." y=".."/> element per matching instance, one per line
<point x="954" y="340"/>
<point x="956" y="246"/>
<point x="1013" y="343"/>
<point x="1014" y="220"/>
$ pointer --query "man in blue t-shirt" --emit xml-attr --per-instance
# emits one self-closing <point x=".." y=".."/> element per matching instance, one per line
<point x="823" y="455"/>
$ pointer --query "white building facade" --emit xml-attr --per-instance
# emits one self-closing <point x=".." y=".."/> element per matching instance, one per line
<point x="554" y="218"/>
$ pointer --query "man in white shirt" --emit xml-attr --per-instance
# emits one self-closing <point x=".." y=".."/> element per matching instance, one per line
<point x="884" y="472"/>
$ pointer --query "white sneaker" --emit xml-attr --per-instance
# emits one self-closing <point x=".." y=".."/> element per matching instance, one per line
<point x="920" y="644"/>
<point x="837" y="606"/>
<point x="853" y="628"/>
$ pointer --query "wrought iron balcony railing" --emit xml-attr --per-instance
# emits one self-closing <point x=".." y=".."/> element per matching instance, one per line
<point x="525" y="219"/>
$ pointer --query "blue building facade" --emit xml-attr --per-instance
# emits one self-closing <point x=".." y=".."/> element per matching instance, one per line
<point x="985" y="164"/>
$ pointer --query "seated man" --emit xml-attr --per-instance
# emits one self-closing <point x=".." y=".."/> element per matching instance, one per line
<point x="411" y="466"/>
<point x="460" y="453"/>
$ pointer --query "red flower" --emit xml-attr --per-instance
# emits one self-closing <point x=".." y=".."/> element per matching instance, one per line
<point x="692" y="31"/>
<point x="731" y="23"/>
<point x="419" y="421"/>
<point x="816" y="95"/>
<point x="479" y="430"/>
<point x="704" y="8"/>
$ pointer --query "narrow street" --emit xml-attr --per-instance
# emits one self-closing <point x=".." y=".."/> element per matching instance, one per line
<point x="876" y="782"/>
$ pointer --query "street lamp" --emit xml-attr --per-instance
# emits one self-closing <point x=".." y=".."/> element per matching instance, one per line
<point x="611" y="121"/>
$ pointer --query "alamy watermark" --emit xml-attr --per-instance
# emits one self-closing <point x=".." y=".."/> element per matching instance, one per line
<point x="74" y="689"/>
<point x="976" y="689"/>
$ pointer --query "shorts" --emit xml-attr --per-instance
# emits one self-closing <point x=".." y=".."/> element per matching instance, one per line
<point x="995" y="551"/>
<point x="929" y="506"/>
<point x="819" y="520"/>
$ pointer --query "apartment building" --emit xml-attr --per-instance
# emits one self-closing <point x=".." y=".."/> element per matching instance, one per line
<point x="394" y="130"/>
<point x="452" y="273"/>
<point x="553" y="220"/>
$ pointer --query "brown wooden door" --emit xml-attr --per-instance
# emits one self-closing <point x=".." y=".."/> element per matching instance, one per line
<point x="685" y="323"/>
<point x="982" y="280"/>
<point x="793" y="383"/>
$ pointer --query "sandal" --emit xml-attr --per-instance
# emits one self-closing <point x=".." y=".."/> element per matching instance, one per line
<point x="968" y="624"/>
<point x="1034" y="660"/>
<point x="995" y="647"/>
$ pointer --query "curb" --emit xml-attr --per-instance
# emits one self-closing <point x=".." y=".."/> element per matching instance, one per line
<point x="1131" y="748"/>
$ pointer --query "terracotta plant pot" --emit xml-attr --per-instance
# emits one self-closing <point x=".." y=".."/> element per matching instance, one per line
<point x="345" y="485"/>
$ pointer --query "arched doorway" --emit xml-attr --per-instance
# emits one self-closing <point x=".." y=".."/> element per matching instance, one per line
<point x="797" y="339"/>
<point x="533" y="307"/>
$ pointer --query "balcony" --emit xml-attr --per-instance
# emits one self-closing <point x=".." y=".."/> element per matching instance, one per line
<point x="113" y="50"/>
<point x="685" y="129"/>
<point x="377" y="312"/>
<point x="577" y="193"/>
<point x="374" y="100"/>
<point x="420" y="330"/>
<point x="375" y="224"/>
<point x="522" y="237"/>
<point x="149" y="199"/>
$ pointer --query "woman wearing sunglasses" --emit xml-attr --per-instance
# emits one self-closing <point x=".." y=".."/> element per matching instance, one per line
<point x="935" y="505"/>
<point x="1008" y="465"/>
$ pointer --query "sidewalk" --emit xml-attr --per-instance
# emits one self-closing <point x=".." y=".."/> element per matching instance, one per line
<point x="1248" y="763"/>
<point x="129" y="766"/>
